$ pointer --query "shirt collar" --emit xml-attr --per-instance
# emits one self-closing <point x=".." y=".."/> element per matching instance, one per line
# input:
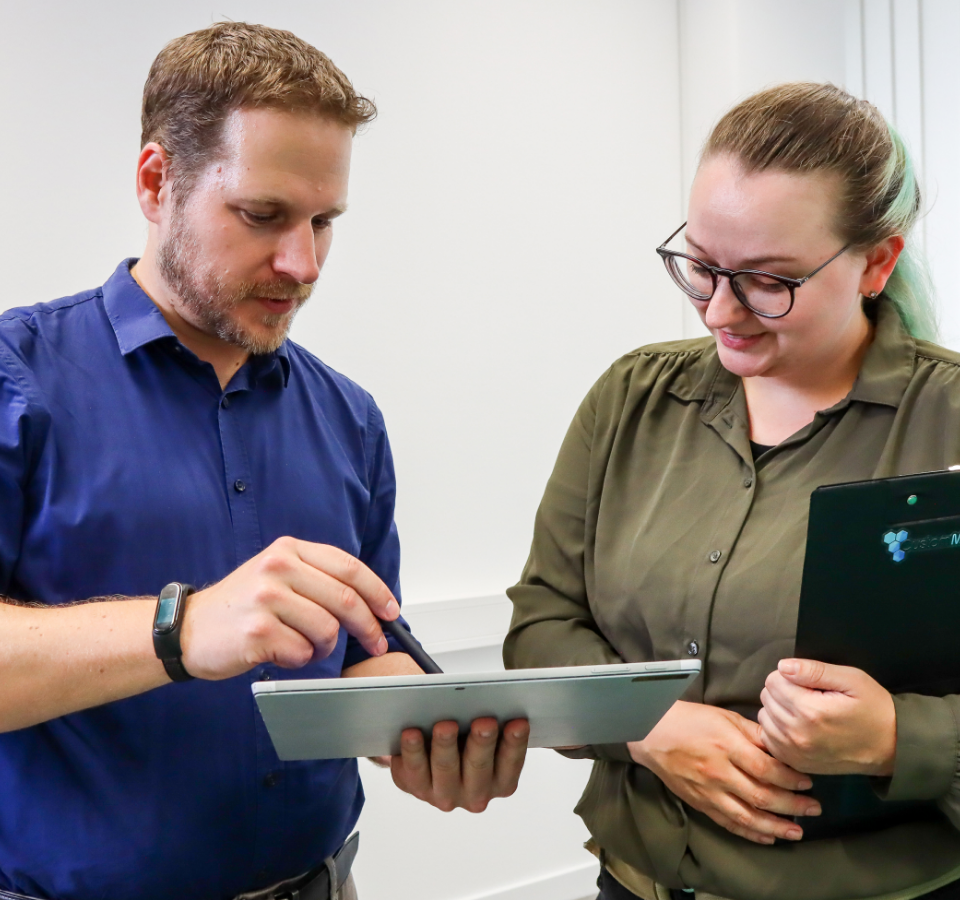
<point x="137" y="321"/>
<point x="887" y="368"/>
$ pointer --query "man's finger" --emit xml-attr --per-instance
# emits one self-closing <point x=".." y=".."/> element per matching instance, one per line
<point x="411" y="769"/>
<point x="477" y="766"/>
<point x="445" y="765"/>
<point x="511" y="753"/>
<point x="342" y="602"/>
<point x="348" y="570"/>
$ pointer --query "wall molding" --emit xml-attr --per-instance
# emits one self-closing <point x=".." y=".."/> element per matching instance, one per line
<point x="446" y="626"/>
<point x="579" y="883"/>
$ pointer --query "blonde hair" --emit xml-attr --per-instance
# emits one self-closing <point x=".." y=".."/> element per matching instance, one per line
<point x="805" y="127"/>
<point x="198" y="79"/>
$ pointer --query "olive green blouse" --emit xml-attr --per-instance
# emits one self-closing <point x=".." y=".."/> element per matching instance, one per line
<point x="660" y="537"/>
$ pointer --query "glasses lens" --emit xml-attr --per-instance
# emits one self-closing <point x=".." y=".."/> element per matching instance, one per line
<point x="762" y="294"/>
<point x="691" y="277"/>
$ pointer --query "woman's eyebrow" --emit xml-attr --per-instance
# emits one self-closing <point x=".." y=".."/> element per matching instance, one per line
<point x="749" y="263"/>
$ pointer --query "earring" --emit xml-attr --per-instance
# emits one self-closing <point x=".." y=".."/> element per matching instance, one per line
<point x="872" y="295"/>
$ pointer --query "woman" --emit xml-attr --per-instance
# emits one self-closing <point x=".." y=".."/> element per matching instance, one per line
<point x="674" y="522"/>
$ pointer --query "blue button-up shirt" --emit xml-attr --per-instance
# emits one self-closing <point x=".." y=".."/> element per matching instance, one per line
<point x="124" y="466"/>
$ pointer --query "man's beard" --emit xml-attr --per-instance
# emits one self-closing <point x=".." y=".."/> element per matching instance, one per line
<point x="210" y="300"/>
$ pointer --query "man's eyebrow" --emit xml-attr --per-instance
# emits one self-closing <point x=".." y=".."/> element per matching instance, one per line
<point x="266" y="200"/>
<point x="754" y="263"/>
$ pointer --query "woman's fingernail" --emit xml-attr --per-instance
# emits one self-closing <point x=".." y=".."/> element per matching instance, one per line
<point x="382" y="646"/>
<point x="794" y="834"/>
<point x="789" y="667"/>
<point x="805" y="785"/>
<point x="393" y="608"/>
<point x="813" y="810"/>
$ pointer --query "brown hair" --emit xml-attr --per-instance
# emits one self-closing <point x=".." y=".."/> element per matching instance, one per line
<point x="804" y="127"/>
<point x="197" y="80"/>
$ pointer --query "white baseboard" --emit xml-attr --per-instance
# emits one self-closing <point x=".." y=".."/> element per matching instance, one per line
<point x="579" y="883"/>
<point x="445" y="626"/>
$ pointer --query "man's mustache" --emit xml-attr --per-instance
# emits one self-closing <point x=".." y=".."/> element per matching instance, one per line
<point x="273" y="290"/>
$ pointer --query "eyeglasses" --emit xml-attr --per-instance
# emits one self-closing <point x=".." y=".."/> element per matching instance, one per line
<point x="768" y="295"/>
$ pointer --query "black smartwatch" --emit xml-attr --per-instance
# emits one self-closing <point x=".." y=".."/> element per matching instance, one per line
<point x="166" y="629"/>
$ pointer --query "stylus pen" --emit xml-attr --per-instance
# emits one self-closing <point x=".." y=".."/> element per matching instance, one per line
<point x="410" y="645"/>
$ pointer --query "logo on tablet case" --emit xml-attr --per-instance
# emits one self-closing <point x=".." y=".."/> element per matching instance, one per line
<point x="899" y="543"/>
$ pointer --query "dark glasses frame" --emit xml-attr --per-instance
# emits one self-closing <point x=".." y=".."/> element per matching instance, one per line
<point x="716" y="272"/>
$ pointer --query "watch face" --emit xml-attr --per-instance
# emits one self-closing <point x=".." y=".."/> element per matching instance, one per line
<point x="167" y="608"/>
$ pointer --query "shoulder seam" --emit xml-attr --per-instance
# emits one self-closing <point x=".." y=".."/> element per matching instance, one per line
<point x="939" y="359"/>
<point x="25" y="312"/>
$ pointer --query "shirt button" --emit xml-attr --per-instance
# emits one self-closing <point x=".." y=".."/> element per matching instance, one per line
<point x="239" y="486"/>
<point x="748" y="482"/>
<point x="693" y="648"/>
<point x="715" y="556"/>
<point x="272" y="779"/>
<point x="225" y="403"/>
<point x="265" y="676"/>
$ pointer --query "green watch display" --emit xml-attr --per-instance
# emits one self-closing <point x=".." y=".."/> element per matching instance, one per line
<point x="166" y="629"/>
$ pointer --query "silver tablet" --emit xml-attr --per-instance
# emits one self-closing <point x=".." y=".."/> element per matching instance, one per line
<point x="346" y="717"/>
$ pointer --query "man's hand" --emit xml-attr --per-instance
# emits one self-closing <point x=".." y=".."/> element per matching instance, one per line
<point x="447" y="779"/>
<point x="284" y="606"/>
<point x="828" y="720"/>
<point x="715" y="761"/>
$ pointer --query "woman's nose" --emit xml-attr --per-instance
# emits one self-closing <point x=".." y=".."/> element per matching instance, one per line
<point x="724" y="308"/>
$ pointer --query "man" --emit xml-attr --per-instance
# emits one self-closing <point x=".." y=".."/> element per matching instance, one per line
<point x="160" y="431"/>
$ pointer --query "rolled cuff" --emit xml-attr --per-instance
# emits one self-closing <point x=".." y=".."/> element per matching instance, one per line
<point x="610" y="752"/>
<point x="928" y="748"/>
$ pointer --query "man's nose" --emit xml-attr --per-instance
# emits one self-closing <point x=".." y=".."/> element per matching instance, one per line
<point x="296" y="255"/>
<point x="724" y="308"/>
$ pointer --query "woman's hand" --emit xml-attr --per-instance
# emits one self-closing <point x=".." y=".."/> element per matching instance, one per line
<point x="715" y="761"/>
<point x="828" y="720"/>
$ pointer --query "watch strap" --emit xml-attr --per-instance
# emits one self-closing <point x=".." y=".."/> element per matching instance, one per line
<point x="166" y="641"/>
<point x="175" y="669"/>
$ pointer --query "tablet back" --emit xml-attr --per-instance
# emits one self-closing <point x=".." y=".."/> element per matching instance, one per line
<point x="333" y="718"/>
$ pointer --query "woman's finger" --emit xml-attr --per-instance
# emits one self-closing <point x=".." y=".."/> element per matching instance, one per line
<point x="752" y="757"/>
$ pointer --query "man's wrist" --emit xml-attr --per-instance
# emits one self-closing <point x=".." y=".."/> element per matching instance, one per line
<point x="167" y="622"/>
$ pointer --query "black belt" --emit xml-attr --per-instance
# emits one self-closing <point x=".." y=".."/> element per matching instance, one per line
<point x="322" y="883"/>
<point x="611" y="889"/>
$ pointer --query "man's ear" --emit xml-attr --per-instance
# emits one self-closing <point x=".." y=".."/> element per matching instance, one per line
<point x="880" y="262"/>
<point x="153" y="181"/>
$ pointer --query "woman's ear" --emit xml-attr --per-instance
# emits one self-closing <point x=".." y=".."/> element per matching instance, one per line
<point x="880" y="263"/>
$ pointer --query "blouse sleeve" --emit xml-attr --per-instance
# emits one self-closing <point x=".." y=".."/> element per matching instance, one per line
<point x="552" y="624"/>
<point x="927" y="765"/>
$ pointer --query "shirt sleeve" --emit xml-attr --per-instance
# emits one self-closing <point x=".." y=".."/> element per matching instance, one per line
<point x="15" y="427"/>
<point x="552" y="624"/>
<point x="927" y="765"/>
<point x="380" y="546"/>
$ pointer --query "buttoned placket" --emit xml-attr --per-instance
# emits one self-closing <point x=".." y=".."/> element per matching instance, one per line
<point x="720" y="414"/>
<point x="242" y="492"/>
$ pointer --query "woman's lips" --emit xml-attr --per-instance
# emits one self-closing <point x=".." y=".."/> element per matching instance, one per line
<point x="738" y="341"/>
